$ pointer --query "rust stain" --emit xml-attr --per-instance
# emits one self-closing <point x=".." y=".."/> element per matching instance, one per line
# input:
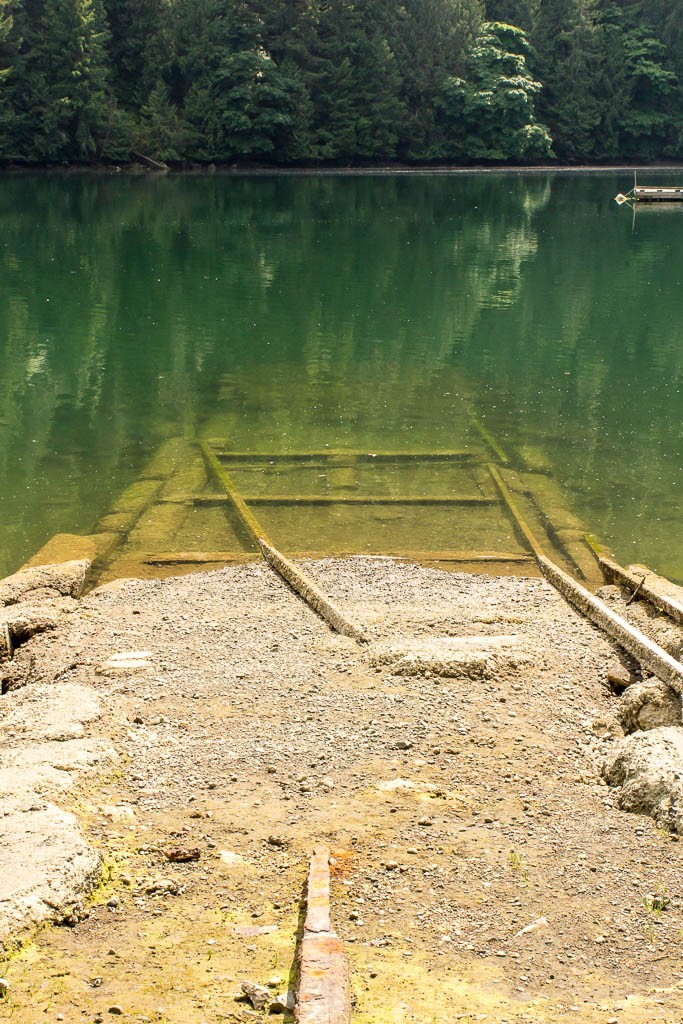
<point x="342" y="863"/>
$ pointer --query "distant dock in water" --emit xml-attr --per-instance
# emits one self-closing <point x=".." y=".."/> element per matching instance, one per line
<point x="651" y="194"/>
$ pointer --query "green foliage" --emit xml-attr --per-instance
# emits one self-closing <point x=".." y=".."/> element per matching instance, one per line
<point x="160" y="132"/>
<point x="431" y="40"/>
<point x="140" y="48"/>
<point x="238" y="103"/>
<point x="491" y="112"/>
<point x="567" y="42"/>
<point x="341" y="81"/>
<point x="56" y="103"/>
<point x="512" y="12"/>
<point x="5" y="26"/>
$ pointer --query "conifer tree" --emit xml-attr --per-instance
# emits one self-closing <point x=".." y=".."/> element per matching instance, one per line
<point x="5" y="26"/>
<point x="238" y="103"/>
<point x="57" y="93"/>
<point x="568" y="46"/>
<point x="139" y="47"/>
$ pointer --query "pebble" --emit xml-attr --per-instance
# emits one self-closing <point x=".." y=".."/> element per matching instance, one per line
<point x="116" y="1010"/>
<point x="278" y="841"/>
<point x="283" y="1003"/>
<point x="258" y="995"/>
<point x="4" y="987"/>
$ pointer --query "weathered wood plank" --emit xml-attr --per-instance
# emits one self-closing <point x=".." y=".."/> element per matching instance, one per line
<point x="323" y="986"/>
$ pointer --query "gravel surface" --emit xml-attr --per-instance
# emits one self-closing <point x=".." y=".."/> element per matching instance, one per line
<point x="483" y="869"/>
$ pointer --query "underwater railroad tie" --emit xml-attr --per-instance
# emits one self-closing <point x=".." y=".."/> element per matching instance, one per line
<point x="323" y="989"/>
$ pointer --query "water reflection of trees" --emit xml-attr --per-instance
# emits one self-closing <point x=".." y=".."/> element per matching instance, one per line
<point x="323" y="308"/>
<point x="591" y="367"/>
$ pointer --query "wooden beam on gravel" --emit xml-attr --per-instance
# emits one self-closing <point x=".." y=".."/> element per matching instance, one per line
<point x="323" y="987"/>
<point x="666" y="603"/>
<point x="298" y="580"/>
<point x="653" y="657"/>
<point x="312" y="595"/>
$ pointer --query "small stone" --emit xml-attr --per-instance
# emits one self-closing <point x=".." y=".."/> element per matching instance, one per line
<point x="258" y="996"/>
<point x="283" y="1003"/>
<point x="116" y="1010"/>
<point x="425" y="822"/>
<point x="113" y="903"/>
<point x="4" y="987"/>
<point x="181" y="855"/>
<point x="278" y="841"/>
<point x="404" y="745"/>
<point x="162" y="887"/>
<point x="619" y="677"/>
<point x="391" y="865"/>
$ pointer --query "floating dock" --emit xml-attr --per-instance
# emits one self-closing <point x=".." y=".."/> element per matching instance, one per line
<point x="651" y="194"/>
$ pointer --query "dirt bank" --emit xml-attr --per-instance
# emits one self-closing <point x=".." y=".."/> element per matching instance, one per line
<point x="484" y="871"/>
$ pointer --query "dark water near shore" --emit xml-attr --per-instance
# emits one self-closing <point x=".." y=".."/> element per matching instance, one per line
<point x="298" y="312"/>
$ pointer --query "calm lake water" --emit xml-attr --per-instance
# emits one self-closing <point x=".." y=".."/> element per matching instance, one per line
<point x="293" y="312"/>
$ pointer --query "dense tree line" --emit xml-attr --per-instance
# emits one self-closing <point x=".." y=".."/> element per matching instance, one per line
<point x="340" y="81"/>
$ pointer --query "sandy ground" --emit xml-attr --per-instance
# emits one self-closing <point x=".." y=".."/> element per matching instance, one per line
<point x="463" y="806"/>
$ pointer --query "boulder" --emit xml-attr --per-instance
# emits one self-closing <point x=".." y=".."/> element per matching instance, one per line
<point x="66" y="578"/>
<point x="648" y="766"/>
<point x="649" y="705"/>
<point x="29" y="617"/>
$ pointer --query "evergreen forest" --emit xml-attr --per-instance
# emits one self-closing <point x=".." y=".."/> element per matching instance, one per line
<point x="340" y="82"/>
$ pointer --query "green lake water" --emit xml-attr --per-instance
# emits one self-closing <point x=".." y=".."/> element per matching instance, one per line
<point x="288" y="313"/>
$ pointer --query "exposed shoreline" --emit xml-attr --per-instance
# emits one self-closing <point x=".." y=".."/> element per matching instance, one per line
<point x="139" y="170"/>
<point x="454" y="761"/>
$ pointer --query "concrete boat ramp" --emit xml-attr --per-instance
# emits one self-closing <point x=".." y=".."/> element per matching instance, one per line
<point x="235" y="812"/>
